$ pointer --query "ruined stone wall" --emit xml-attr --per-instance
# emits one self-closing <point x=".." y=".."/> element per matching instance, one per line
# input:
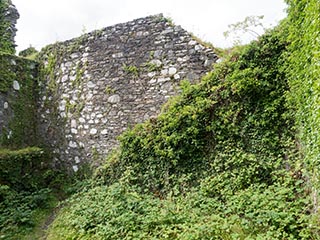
<point x="18" y="101"/>
<point x="8" y="19"/>
<point x="18" y="86"/>
<point x="96" y="86"/>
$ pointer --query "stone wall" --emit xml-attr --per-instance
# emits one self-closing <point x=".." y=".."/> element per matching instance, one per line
<point x="98" y="85"/>
<point x="18" y="84"/>
<point x="8" y="19"/>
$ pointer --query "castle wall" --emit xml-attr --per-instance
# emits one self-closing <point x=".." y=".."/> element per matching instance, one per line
<point x="96" y="86"/>
<point x="18" y="84"/>
<point x="8" y="19"/>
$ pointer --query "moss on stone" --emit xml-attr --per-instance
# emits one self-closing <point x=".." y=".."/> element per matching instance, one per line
<point x="20" y="129"/>
<point x="6" y="43"/>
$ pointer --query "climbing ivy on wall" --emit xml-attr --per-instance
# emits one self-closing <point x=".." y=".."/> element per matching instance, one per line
<point x="219" y="162"/>
<point x="237" y="109"/>
<point x="20" y="130"/>
<point x="6" y="44"/>
<point x="304" y="79"/>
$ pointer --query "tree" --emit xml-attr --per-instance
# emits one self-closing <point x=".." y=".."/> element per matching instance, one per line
<point x="251" y="26"/>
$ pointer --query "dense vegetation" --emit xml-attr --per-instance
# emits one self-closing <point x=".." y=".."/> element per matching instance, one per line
<point x="304" y="79"/>
<point x="233" y="157"/>
<point x="28" y="185"/>
<point x="29" y="192"/>
<point x="25" y="190"/>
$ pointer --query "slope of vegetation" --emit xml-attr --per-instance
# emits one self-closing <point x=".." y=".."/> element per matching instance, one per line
<point x="222" y="161"/>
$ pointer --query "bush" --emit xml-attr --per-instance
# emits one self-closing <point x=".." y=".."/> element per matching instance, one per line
<point x="120" y="211"/>
<point x="18" y="210"/>
<point x="23" y="169"/>
<point x="28" y="189"/>
<point x="29" y="52"/>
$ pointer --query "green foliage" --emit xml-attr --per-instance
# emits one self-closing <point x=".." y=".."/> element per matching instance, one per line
<point x="49" y="70"/>
<point x="240" y="113"/>
<point x="120" y="211"/>
<point x="130" y="69"/>
<point x="27" y="188"/>
<point x="234" y="157"/>
<point x="23" y="169"/>
<point x="168" y="20"/>
<point x="6" y="74"/>
<point x="152" y="67"/>
<point x="19" y="210"/>
<point x="79" y="74"/>
<point x="30" y="53"/>
<point x="220" y="162"/>
<point x="304" y="78"/>
<point x="25" y="175"/>
<point x="109" y="90"/>
<point x="206" y="44"/>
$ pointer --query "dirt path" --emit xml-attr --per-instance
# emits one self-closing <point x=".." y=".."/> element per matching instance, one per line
<point x="42" y="232"/>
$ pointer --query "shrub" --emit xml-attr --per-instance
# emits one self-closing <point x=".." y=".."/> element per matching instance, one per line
<point x="18" y="210"/>
<point x="120" y="211"/>
<point x="23" y="169"/>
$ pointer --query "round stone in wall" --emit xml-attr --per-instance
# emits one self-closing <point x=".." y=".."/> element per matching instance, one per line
<point x="104" y="132"/>
<point x="172" y="71"/>
<point x="156" y="62"/>
<point x="82" y="120"/>
<point x="77" y="159"/>
<point x="93" y="131"/>
<point x="73" y="123"/>
<point x="114" y="98"/>
<point x="75" y="168"/>
<point x="90" y="84"/>
<point x="73" y="144"/>
<point x="16" y="85"/>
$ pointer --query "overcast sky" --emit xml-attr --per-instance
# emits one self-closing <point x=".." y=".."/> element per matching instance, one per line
<point x="46" y="21"/>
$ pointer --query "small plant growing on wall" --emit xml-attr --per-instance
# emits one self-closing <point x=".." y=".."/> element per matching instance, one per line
<point x="152" y="67"/>
<point x="109" y="90"/>
<point x="131" y="69"/>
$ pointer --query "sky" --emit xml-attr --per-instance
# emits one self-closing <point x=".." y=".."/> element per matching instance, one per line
<point x="43" y="22"/>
